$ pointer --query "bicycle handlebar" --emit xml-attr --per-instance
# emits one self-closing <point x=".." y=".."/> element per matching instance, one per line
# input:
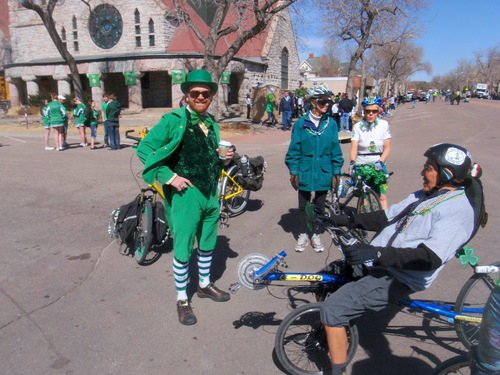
<point x="486" y="269"/>
<point x="137" y="139"/>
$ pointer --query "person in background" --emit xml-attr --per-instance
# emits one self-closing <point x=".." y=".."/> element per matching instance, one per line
<point x="371" y="146"/>
<point x="249" y="105"/>
<point x="46" y="125"/>
<point x="181" y="153"/>
<point x="345" y="108"/>
<point x="113" y="110"/>
<point x="55" y="111"/>
<point x="80" y="120"/>
<point x="314" y="159"/>
<point x="64" y="131"/>
<point x="270" y="111"/>
<point x="105" y="120"/>
<point x="92" y="117"/>
<point x="286" y="108"/>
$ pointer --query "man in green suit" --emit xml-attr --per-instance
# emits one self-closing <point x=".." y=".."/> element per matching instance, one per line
<point x="181" y="152"/>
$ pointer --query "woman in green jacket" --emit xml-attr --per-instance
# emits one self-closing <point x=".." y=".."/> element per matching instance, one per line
<point x="314" y="159"/>
<point x="80" y="119"/>
<point x="56" y="113"/>
<point x="113" y="110"/>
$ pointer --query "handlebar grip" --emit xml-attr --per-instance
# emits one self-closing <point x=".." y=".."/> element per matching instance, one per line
<point x="486" y="269"/>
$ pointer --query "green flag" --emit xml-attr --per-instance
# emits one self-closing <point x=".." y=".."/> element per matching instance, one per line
<point x="225" y="77"/>
<point x="130" y="78"/>
<point x="178" y="76"/>
<point x="94" y="80"/>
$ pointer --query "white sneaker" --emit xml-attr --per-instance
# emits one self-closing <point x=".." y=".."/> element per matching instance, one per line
<point x="302" y="242"/>
<point x="84" y="144"/>
<point x="316" y="243"/>
<point x="49" y="148"/>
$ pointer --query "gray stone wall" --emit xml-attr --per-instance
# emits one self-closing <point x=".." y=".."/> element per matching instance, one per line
<point x="31" y="43"/>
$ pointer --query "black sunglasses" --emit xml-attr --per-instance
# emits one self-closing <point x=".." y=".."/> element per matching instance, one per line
<point x="324" y="102"/>
<point x="372" y="111"/>
<point x="195" y="94"/>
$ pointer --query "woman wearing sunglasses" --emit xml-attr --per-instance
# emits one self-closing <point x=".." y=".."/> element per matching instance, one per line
<point x="314" y="159"/>
<point x="371" y="146"/>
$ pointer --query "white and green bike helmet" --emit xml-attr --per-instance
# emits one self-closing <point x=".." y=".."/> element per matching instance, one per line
<point x="318" y="91"/>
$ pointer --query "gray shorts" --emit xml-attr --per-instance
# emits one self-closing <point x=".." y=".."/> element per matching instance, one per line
<point x="374" y="291"/>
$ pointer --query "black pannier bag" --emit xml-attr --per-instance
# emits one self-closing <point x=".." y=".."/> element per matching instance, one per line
<point x="126" y="222"/>
<point x="160" y="222"/>
<point x="250" y="171"/>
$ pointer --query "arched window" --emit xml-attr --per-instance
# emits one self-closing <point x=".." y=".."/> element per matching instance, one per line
<point x="151" y="35"/>
<point x="75" y="25"/>
<point x="63" y="37"/>
<point x="284" y="68"/>
<point x="137" y="16"/>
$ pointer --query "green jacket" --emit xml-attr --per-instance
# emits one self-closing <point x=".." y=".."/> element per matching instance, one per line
<point x="160" y="143"/>
<point x="56" y="113"/>
<point x="79" y="113"/>
<point x="314" y="155"/>
<point x="113" y="110"/>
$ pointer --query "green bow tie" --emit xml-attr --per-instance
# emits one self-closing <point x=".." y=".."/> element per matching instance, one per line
<point x="196" y="118"/>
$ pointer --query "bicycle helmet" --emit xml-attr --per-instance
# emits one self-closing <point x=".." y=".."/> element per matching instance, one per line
<point x="371" y="100"/>
<point x="318" y="91"/>
<point x="454" y="162"/>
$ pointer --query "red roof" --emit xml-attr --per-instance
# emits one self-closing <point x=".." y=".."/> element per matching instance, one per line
<point x="185" y="40"/>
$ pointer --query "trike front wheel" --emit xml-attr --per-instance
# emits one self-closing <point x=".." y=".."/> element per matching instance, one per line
<point x="301" y="345"/>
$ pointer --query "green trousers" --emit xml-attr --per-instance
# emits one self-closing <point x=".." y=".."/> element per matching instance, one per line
<point x="191" y="215"/>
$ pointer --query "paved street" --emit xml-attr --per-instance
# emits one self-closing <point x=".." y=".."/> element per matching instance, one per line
<point x="72" y="304"/>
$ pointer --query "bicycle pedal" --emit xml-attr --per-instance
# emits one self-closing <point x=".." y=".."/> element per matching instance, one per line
<point x="234" y="287"/>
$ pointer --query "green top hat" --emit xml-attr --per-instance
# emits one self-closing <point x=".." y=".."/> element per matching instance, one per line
<point x="199" y="77"/>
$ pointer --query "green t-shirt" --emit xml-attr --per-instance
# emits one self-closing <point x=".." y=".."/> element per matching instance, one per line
<point x="104" y="105"/>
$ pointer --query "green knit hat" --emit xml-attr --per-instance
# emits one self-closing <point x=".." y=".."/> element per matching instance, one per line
<point x="199" y="77"/>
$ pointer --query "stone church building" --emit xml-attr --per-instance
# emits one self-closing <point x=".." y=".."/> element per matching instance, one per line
<point x="136" y="49"/>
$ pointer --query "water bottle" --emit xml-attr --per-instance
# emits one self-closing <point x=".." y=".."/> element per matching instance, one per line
<point x="244" y="166"/>
<point x="340" y="191"/>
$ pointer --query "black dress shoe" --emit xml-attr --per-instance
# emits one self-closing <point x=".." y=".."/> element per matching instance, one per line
<point x="214" y="293"/>
<point x="186" y="315"/>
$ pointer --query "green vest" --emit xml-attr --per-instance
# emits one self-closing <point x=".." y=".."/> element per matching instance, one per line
<point x="197" y="160"/>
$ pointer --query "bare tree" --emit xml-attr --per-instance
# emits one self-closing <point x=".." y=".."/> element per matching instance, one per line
<point x="250" y="19"/>
<point x="45" y="12"/>
<point x="395" y="62"/>
<point x="330" y="63"/>
<point x="366" y="23"/>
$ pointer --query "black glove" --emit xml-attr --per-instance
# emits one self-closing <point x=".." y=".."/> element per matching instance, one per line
<point x="360" y="253"/>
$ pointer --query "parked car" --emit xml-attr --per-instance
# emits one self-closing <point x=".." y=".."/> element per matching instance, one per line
<point x="422" y="97"/>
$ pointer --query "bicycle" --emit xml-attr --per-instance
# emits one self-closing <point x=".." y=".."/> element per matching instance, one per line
<point x="460" y="364"/>
<point x="145" y="236"/>
<point x="351" y="187"/>
<point x="300" y="343"/>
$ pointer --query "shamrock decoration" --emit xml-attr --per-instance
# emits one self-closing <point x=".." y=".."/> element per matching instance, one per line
<point x="468" y="257"/>
<point x="369" y="171"/>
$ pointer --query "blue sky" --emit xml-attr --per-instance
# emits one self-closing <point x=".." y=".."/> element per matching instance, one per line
<point x="454" y="29"/>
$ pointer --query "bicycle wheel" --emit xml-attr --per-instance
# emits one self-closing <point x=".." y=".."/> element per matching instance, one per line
<point x="368" y="201"/>
<point x="455" y="365"/>
<point x="473" y="295"/>
<point x="235" y="202"/>
<point x="144" y="232"/>
<point x="301" y="345"/>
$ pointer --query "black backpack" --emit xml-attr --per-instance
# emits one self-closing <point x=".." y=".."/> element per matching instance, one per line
<point x="250" y="176"/>
<point x="160" y="225"/>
